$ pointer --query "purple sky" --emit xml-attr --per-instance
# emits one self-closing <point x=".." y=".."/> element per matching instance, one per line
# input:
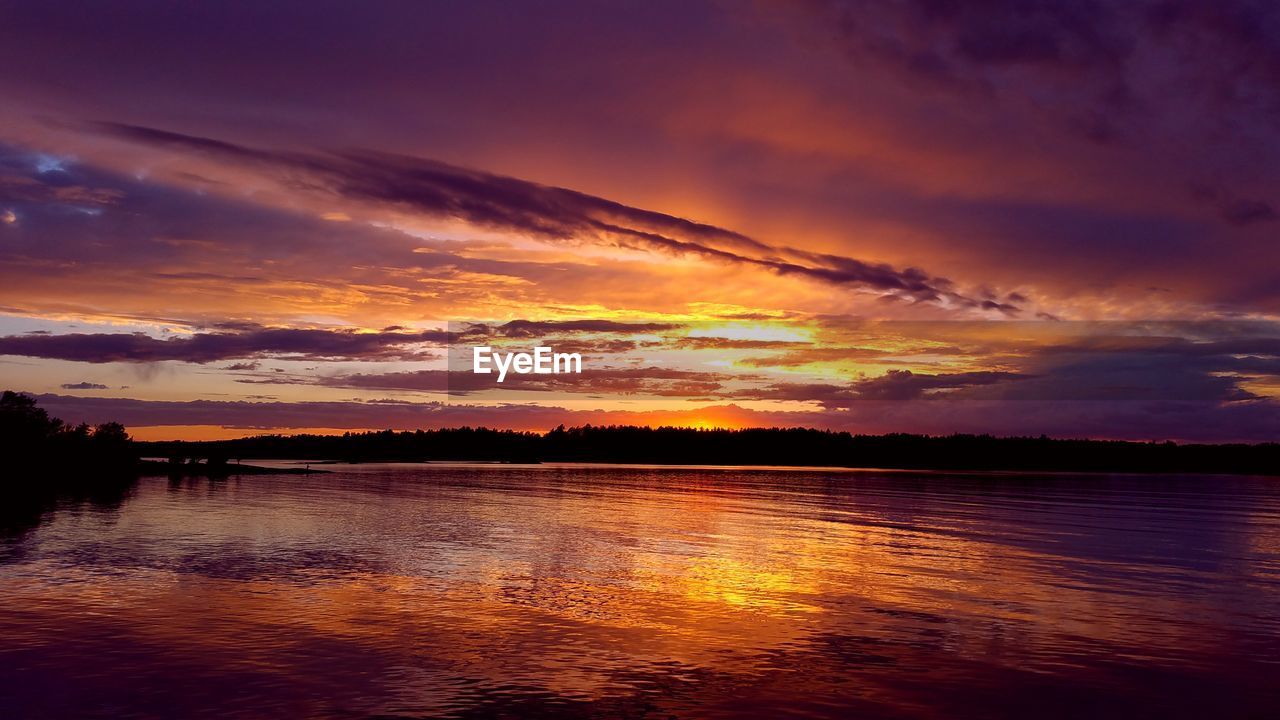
<point x="923" y="216"/>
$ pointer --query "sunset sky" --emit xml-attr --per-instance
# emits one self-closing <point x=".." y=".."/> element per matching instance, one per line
<point x="920" y="216"/>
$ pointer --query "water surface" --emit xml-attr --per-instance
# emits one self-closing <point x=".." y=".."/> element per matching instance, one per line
<point x="570" y="591"/>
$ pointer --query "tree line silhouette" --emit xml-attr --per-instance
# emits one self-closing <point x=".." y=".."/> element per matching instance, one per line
<point x="45" y="462"/>
<point x="756" y="446"/>
<point x="35" y="444"/>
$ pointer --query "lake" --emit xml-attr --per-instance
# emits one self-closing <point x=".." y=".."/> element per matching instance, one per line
<point x="453" y="590"/>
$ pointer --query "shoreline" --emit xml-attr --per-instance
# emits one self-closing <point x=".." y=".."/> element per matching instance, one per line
<point x="155" y="468"/>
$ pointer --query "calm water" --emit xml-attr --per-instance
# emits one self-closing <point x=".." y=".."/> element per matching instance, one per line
<point x="481" y="591"/>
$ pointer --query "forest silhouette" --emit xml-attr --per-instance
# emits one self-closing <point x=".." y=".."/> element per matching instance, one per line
<point x="31" y="440"/>
<point x="47" y="463"/>
<point x="36" y="445"/>
<point x="757" y="446"/>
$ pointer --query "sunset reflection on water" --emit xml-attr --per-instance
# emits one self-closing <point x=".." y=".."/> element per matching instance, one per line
<point x="473" y="591"/>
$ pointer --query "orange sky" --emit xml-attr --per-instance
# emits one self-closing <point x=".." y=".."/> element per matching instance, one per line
<point x="1072" y="224"/>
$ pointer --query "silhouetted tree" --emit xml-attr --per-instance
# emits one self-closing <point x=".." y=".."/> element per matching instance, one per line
<point x="752" y="446"/>
<point x="46" y="462"/>
<point x="33" y="442"/>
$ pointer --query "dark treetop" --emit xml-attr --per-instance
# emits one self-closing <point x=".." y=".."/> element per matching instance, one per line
<point x="761" y="446"/>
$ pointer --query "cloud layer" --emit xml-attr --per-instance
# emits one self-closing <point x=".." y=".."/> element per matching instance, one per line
<point x="710" y="201"/>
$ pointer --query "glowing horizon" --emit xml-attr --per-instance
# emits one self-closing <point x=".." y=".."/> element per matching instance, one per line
<point x="768" y="223"/>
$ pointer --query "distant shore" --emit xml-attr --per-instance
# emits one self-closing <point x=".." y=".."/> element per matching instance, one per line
<point x="45" y="449"/>
<point x="798" y="447"/>
<point x="215" y="469"/>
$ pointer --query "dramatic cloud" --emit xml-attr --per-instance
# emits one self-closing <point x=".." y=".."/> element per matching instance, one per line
<point x="83" y="386"/>
<point x="713" y="202"/>
<point x="509" y="204"/>
<point x="209" y="347"/>
<point x="1105" y="54"/>
<point x="905" y="385"/>
<point x="537" y="329"/>
<point x="650" y="381"/>
<point x="895" y="385"/>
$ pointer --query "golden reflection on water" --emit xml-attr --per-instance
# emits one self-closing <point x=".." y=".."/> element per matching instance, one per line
<point x="441" y="591"/>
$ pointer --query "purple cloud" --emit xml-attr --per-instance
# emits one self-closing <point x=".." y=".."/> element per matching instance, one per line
<point x="83" y="386"/>
<point x="485" y="199"/>
<point x="209" y="347"/>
